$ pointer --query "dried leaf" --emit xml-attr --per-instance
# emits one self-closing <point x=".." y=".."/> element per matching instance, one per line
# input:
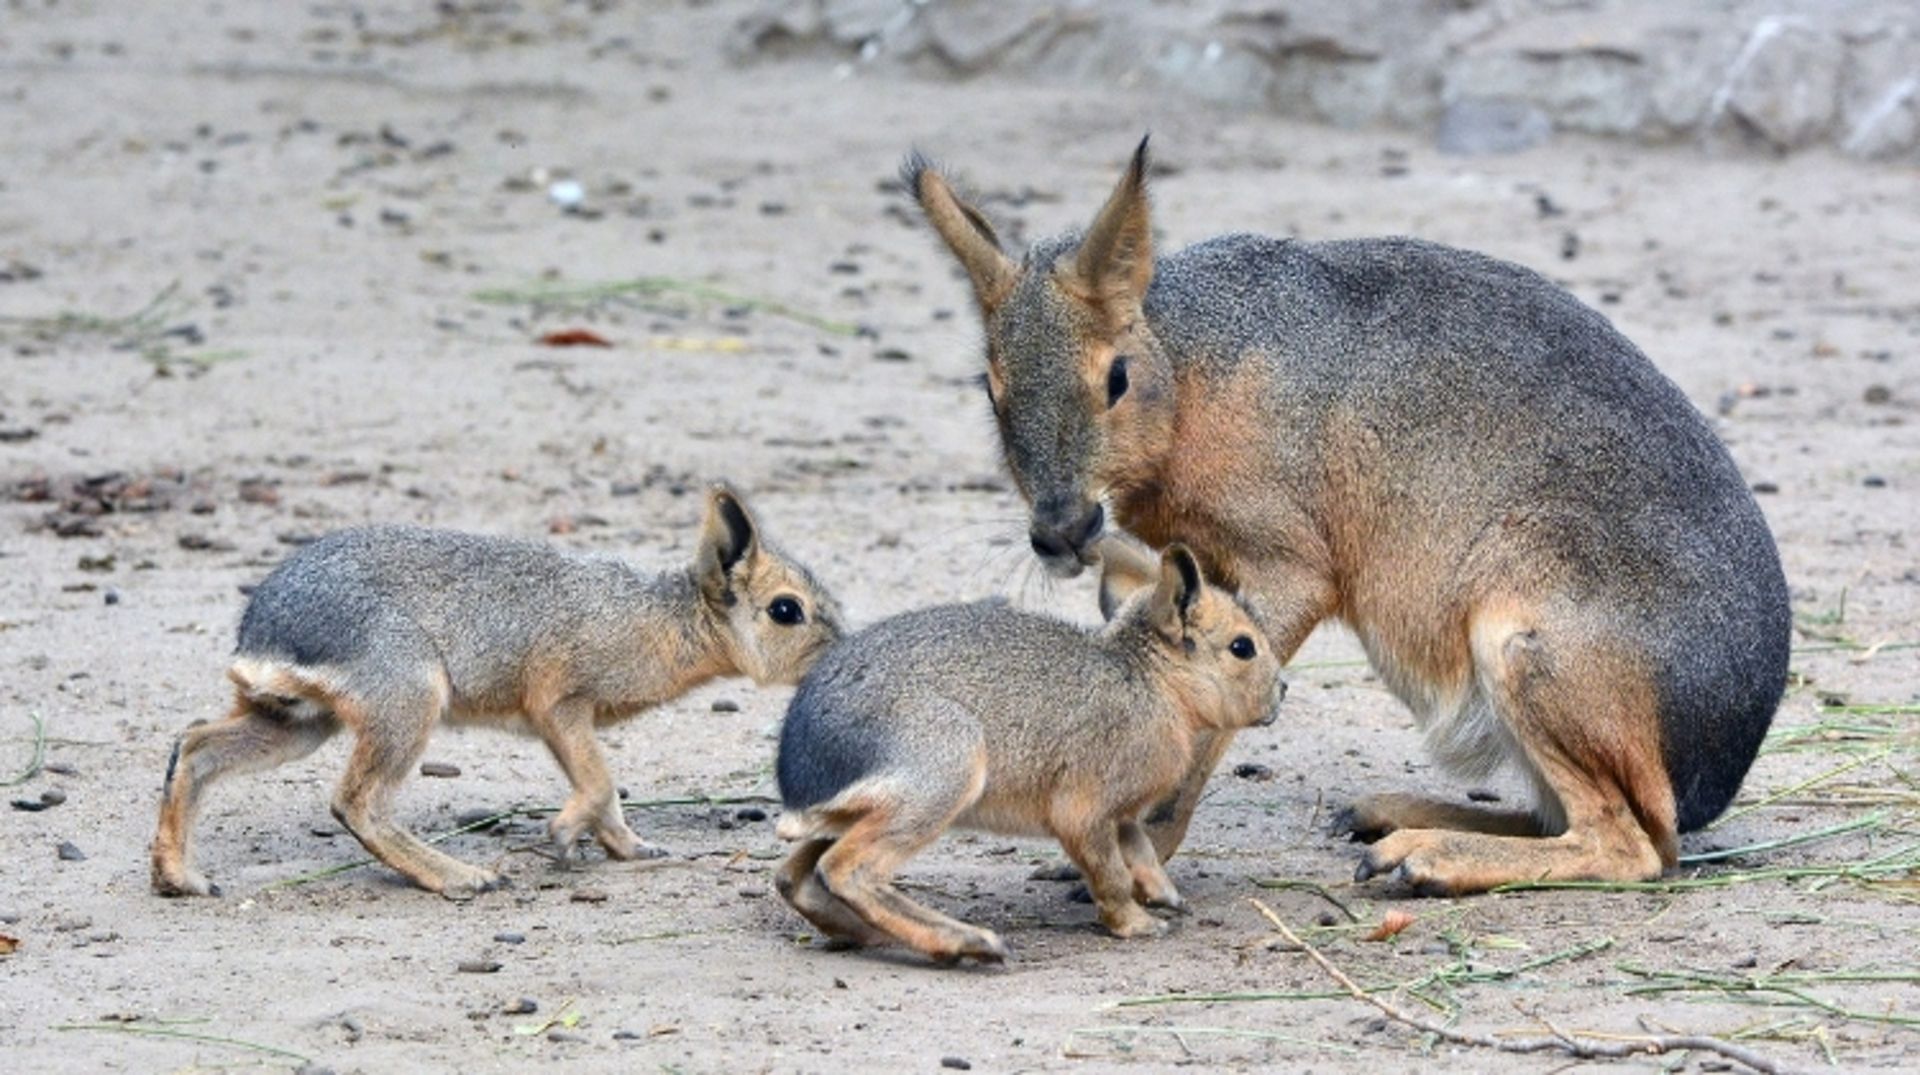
<point x="575" y="337"/>
<point x="1391" y="924"/>
<point x="8" y="945"/>
<point x="721" y="344"/>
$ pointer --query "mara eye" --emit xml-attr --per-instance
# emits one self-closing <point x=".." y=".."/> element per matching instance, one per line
<point x="785" y="610"/>
<point x="1242" y="647"/>
<point x="1116" y="380"/>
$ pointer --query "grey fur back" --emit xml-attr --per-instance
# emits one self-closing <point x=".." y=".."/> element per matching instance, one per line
<point x="1490" y="397"/>
<point x="472" y="598"/>
<point x="995" y="662"/>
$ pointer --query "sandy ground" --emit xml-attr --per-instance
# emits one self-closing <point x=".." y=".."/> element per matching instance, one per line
<point x="244" y="248"/>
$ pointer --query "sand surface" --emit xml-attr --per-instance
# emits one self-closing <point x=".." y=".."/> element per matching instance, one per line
<point x="281" y="267"/>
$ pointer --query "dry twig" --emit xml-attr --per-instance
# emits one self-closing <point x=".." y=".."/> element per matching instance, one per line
<point x="1577" y="1047"/>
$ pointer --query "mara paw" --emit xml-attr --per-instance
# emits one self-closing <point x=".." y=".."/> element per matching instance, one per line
<point x="183" y="882"/>
<point x="1133" y="923"/>
<point x="465" y="886"/>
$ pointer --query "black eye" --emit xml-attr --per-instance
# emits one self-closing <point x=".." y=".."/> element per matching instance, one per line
<point x="786" y="610"/>
<point x="1116" y="380"/>
<point x="1242" y="648"/>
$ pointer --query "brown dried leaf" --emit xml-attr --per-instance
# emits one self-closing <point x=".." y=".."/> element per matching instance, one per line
<point x="575" y="337"/>
<point x="1391" y="924"/>
<point x="8" y="945"/>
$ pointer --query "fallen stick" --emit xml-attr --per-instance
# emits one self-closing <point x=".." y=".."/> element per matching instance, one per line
<point x="1576" y="1047"/>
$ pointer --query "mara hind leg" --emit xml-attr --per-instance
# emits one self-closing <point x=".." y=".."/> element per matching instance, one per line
<point x="798" y="882"/>
<point x="250" y="739"/>
<point x="1586" y="720"/>
<point x="393" y="728"/>
<point x="568" y="731"/>
<point x="1375" y="816"/>
<point x="886" y="826"/>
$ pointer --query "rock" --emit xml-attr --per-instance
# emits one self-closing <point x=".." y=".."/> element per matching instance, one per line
<point x="478" y="966"/>
<point x="955" y="1063"/>
<point x="588" y="895"/>
<point x="973" y="35"/>
<point x="725" y="705"/>
<point x="439" y="769"/>
<point x="1483" y="126"/>
<point x="508" y="937"/>
<point x="1248" y="770"/>
<point x="1784" y="86"/>
<point x="523" y="1006"/>
<point x="70" y="852"/>
<point x="750" y="813"/>
<point x="197" y="542"/>
<point x="565" y="1037"/>
<point x="1877" y="393"/>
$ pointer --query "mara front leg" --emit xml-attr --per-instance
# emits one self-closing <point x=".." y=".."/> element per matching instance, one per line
<point x="568" y="730"/>
<point x="1289" y="600"/>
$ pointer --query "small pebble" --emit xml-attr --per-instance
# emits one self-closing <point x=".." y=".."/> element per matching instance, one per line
<point x="509" y="937"/>
<point x="478" y="966"/>
<point x="628" y="1035"/>
<point x="523" y="1006"/>
<point x="71" y="853"/>
<point x="1877" y="393"/>
<point x="1874" y="481"/>
<point x="111" y="597"/>
<point x="1763" y="488"/>
<point x="1250" y="770"/>
<point x="956" y="1063"/>
<point x="725" y="705"/>
<point x="750" y="813"/>
<point x="588" y="895"/>
<point x="565" y="1036"/>
<point x="1482" y="795"/>
<point x="475" y="818"/>
<point x="439" y="768"/>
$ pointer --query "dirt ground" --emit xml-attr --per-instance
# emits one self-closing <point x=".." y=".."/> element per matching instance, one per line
<point x="270" y="269"/>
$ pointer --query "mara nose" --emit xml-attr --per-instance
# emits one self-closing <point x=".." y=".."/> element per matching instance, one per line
<point x="1273" y="711"/>
<point x="1054" y="541"/>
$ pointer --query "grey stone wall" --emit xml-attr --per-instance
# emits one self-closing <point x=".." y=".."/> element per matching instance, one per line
<point x="1483" y="75"/>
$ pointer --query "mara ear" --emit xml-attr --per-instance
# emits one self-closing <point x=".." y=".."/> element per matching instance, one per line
<point x="727" y="537"/>
<point x="964" y="230"/>
<point x="1115" y="262"/>
<point x="1175" y="593"/>
<point x="1127" y="566"/>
